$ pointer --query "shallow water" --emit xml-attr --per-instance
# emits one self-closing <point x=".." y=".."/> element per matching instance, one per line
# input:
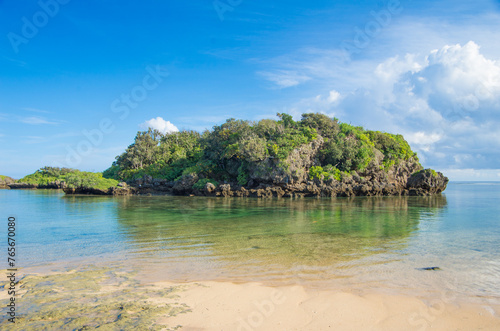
<point x="359" y="243"/>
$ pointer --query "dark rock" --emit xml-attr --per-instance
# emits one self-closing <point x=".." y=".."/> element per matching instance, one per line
<point x="209" y="188"/>
<point x="430" y="269"/>
<point x="87" y="191"/>
<point x="122" y="190"/>
<point x="5" y="181"/>
<point x="53" y="185"/>
<point x="224" y="190"/>
<point x="426" y="182"/>
<point x="16" y="186"/>
<point x="185" y="184"/>
<point x="290" y="178"/>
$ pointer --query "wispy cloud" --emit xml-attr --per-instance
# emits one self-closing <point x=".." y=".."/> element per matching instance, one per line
<point x="314" y="65"/>
<point x="17" y="62"/>
<point x="37" y="120"/>
<point x="284" y="78"/>
<point x="54" y="138"/>
<point x="33" y="139"/>
<point x="36" y="110"/>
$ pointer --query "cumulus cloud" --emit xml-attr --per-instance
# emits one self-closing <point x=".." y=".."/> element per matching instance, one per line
<point x="449" y="103"/>
<point x="445" y="102"/>
<point x="334" y="96"/>
<point x="459" y="77"/>
<point x="159" y="124"/>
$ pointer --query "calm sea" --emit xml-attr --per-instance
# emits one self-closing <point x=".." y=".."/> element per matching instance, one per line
<point x="358" y="243"/>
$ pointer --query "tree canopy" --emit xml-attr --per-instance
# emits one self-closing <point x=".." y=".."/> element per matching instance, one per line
<point x="226" y="152"/>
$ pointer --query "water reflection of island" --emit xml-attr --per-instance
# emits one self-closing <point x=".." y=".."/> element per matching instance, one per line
<point x="189" y="238"/>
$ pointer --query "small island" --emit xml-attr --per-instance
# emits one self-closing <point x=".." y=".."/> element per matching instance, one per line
<point x="317" y="156"/>
<point x="5" y="181"/>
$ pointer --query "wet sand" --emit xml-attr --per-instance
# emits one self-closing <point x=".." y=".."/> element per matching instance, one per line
<point x="252" y="306"/>
<point x="104" y="297"/>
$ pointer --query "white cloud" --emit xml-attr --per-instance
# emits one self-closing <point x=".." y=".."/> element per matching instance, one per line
<point x="393" y="67"/>
<point x="422" y="138"/>
<point x="37" y="120"/>
<point x="35" y="110"/>
<point x="284" y="78"/>
<point x="33" y="139"/>
<point x="459" y="77"/>
<point x="334" y="96"/>
<point x="446" y="103"/>
<point x="159" y="124"/>
<point x="472" y="174"/>
<point x="312" y="64"/>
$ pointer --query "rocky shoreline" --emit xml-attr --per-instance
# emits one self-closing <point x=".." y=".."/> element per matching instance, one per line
<point x="423" y="183"/>
<point x="58" y="185"/>
<point x="397" y="182"/>
<point x="5" y="181"/>
<point x="268" y="178"/>
<point x="314" y="157"/>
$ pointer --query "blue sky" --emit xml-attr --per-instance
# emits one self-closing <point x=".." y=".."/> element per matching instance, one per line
<point x="78" y="79"/>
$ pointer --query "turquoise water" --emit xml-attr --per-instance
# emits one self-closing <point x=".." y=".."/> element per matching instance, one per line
<point x="358" y="243"/>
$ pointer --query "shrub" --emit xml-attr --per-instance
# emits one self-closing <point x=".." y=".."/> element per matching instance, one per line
<point x="112" y="172"/>
<point x="200" y="184"/>
<point x="82" y="179"/>
<point x="324" y="173"/>
<point x="242" y="175"/>
<point x="394" y="147"/>
<point x="218" y="153"/>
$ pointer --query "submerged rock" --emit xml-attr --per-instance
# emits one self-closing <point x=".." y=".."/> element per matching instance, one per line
<point x="429" y="269"/>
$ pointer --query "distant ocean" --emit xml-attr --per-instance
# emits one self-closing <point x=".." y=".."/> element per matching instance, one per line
<point x="360" y="243"/>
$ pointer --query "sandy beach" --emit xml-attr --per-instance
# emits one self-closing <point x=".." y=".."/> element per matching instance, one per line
<point x="252" y="306"/>
<point x="94" y="297"/>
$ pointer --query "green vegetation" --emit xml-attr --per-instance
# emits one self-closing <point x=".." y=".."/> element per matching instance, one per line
<point x="47" y="175"/>
<point x="157" y="155"/>
<point x="200" y="184"/>
<point x="73" y="178"/>
<point x="394" y="147"/>
<point x="82" y="179"/>
<point x="230" y="151"/>
<point x="90" y="298"/>
<point x="238" y="150"/>
<point x="328" y="172"/>
<point x="5" y="181"/>
<point x="432" y="171"/>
